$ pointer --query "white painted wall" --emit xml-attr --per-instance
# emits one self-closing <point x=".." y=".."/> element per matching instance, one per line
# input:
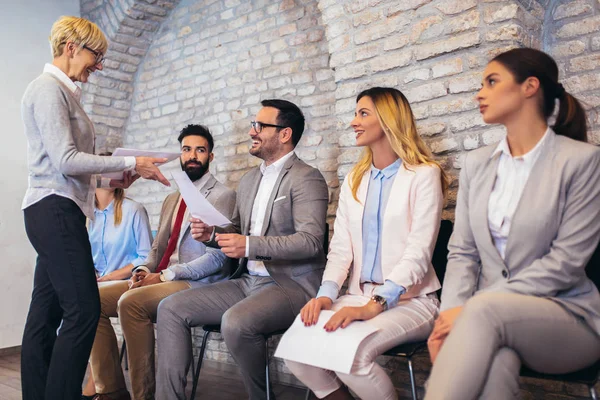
<point x="24" y="30"/>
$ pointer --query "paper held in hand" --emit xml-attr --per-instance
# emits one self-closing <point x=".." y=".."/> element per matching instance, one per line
<point x="314" y="346"/>
<point x="121" y="152"/>
<point x="197" y="204"/>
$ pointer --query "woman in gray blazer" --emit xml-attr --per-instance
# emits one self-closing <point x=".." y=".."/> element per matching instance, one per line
<point x="60" y="195"/>
<point x="527" y="222"/>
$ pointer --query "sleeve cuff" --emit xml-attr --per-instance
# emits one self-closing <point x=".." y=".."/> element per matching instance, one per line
<point x="140" y="268"/>
<point x="247" y="247"/>
<point x="168" y="274"/>
<point x="390" y="292"/>
<point x="130" y="163"/>
<point x="329" y="289"/>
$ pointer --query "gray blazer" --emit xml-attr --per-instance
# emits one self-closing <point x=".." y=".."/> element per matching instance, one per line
<point x="553" y="234"/>
<point x="291" y="244"/>
<point x="198" y="264"/>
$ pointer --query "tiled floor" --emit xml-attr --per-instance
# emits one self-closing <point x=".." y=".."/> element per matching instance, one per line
<point x="217" y="382"/>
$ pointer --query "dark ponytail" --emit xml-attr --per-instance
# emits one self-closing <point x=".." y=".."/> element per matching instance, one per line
<point x="527" y="62"/>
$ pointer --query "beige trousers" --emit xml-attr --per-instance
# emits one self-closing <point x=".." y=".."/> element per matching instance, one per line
<point x="136" y="310"/>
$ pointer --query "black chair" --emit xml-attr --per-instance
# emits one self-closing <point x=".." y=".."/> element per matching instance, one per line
<point x="208" y="329"/>
<point x="439" y="260"/>
<point x="587" y="376"/>
<point x="123" y="355"/>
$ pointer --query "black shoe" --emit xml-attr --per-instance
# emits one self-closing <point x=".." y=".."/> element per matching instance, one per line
<point x="84" y="397"/>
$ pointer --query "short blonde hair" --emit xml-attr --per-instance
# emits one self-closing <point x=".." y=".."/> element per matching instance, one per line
<point x="79" y="31"/>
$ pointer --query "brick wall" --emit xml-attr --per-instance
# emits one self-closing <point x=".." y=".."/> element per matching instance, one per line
<point x="176" y="62"/>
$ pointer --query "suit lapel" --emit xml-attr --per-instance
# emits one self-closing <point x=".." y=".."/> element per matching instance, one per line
<point x="167" y="220"/>
<point x="532" y="190"/>
<point x="286" y="168"/>
<point x="247" y="215"/>
<point x="481" y="225"/>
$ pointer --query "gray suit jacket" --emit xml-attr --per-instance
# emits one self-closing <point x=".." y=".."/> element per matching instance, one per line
<point x="198" y="264"/>
<point x="553" y="234"/>
<point x="291" y="244"/>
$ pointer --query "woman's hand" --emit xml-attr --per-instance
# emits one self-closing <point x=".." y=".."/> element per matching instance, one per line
<point x="145" y="166"/>
<point x="441" y="329"/>
<point x="346" y="315"/>
<point x="310" y="312"/>
<point x="124" y="183"/>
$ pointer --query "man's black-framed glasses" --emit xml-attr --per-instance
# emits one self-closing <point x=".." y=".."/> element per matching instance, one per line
<point x="258" y="126"/>
<point x="99" y="56"/>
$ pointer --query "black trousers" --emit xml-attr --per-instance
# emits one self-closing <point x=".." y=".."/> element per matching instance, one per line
<point x="64" y="291"/>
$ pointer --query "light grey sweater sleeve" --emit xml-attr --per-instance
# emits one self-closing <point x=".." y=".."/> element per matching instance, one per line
<point x="48" y="105"/>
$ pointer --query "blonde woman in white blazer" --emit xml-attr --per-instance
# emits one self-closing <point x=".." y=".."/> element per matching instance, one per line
<point x="392" y="199"/>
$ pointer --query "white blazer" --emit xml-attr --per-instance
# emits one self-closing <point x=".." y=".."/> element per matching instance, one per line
<point x="410" y="228"/>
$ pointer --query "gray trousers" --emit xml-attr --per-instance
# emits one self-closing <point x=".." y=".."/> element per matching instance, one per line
<point x="495" y="333"/>
<point x="246" y="308"/>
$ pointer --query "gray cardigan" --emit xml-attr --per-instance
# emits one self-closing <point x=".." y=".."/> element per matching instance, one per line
<point x="60" y="145"/>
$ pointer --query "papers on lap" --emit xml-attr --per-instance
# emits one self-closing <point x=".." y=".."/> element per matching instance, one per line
<point x="314" y="346"/>
<point x="121" y="152"/>
<point x="197" y="204"/>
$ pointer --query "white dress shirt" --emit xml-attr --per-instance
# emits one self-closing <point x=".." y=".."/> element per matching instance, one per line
<point x="511" y="177"/>
<point x="259" y="208"/>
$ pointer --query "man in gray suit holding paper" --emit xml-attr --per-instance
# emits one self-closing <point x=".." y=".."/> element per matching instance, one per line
<point x="280" y="216"/>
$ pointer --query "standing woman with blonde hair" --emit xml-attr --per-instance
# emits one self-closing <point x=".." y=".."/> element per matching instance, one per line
<point x="385" y="231"/>
<point x="61" y="164"/>
<point x="527" y="223"/>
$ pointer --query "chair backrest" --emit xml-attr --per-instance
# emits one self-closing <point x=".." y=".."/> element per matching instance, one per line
<point x="440" y="252"/>
<point x="326" y="239"/>
<point x="592" y="269"/>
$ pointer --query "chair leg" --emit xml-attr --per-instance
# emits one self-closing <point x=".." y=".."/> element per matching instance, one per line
<point x="268" y="381"/>
<point x="197" y="371"/>
<point x="413" y="385"/>
<point x="123" y="355"/>
<point x="593" y="393"/>
<point x="307" y="396"/>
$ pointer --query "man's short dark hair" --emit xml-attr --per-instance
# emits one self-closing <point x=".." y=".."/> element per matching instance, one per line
<point x="197" y="130"/>
<point x="289" y="116"/>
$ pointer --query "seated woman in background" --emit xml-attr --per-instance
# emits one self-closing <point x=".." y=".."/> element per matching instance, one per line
<point x="121" y="237"/>
<point x="120" y="234"/>
<point x="386" y="227"/>
<point x="527" y="222"/>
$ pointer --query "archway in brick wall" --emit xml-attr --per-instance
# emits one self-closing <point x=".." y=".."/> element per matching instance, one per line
<point x="130" y="27"/>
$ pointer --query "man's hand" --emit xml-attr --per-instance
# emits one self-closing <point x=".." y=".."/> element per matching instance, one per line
<point x="311" y="310"/>
<point x="441" y="329"/>
<point x="145" y="166"/>
<point x="232" y="245"/>
<point x="150" y="279"/>
<point x="124" y="183"/>
<point x="346" y="315"/>
<point x="200" y="231"/>
<point x="136" y="278"/>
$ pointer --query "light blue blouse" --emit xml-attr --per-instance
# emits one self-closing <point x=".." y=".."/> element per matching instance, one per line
<point x="113" y="247"/>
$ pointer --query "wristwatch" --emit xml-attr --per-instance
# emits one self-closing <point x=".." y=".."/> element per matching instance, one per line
<point x="162" y="277"/>
<point x="379" y="300"/>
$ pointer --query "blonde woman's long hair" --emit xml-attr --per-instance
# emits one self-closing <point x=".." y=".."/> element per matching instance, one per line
<point x="398" y="124"/>
<point x="118" y="201"/>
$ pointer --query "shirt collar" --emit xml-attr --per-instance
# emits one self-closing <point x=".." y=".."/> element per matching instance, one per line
<point x="109" y="208"/>
<point x="277" y="166"/>
<point x="388" y="171"/>
<point x="532" y="154"/>
<point x="61" y="76"/>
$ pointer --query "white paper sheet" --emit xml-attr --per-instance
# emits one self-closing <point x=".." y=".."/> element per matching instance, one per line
<point x="121" y="152"/>
<point x="313" y="345"/>
<point x="197" y="204"/>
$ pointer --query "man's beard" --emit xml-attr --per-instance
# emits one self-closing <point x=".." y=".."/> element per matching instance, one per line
<point x="194" y="172"/>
